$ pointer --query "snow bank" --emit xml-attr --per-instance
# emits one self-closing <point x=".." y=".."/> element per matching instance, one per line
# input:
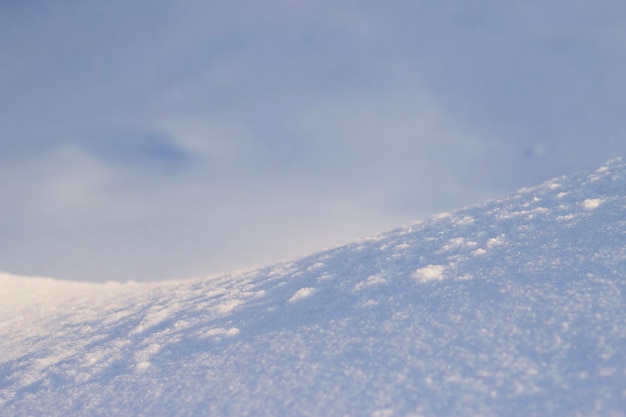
<point x="512" y="308"/>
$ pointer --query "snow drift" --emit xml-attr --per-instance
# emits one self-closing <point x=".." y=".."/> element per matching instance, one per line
<point x="512" y="308"/>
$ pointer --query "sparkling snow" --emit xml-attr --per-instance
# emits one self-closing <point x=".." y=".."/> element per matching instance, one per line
<point x="512" y="308"/>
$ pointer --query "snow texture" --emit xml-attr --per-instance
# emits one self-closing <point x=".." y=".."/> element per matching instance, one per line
<point x="512" y="308"/>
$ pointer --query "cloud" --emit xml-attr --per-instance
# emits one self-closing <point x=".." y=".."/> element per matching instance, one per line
<point x="161" y="139"/>
<point x="218" y="142"/>
<point x="400" y="145"/>
<point x="525" y="76"/>
<point x="149" y="150"/>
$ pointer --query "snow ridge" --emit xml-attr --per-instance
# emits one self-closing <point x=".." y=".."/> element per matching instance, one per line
<point x="511" y="308"/>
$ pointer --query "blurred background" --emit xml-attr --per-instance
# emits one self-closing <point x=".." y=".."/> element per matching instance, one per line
<point x="154" y="139"/>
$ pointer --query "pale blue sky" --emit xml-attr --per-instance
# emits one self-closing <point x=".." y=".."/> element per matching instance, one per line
<point x="165" y="139"/>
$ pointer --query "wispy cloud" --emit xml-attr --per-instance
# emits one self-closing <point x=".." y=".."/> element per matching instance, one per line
<point x="160" y="139"/>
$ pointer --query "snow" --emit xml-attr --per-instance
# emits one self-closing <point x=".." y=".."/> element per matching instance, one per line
<point x="592" y="203"/>
<point x="512" y="308"/>
<point x="302" y="293"/>
<point x="430" y="273"/>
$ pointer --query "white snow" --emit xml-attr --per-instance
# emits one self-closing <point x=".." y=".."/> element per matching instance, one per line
<point x="592" y="203"/>
<point x="301" y="294"/>
<point x="430" y="273"/>
<point x="512" y="308"/>
<point x="370" y="282"/>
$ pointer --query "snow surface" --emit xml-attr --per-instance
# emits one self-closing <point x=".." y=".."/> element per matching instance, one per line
<point x="512" y="308"/>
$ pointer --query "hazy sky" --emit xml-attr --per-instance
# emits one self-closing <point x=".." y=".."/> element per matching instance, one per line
<point x="152" y="139"/>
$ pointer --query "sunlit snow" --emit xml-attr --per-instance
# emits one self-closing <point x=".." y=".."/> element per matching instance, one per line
<point x="512" y="308"/>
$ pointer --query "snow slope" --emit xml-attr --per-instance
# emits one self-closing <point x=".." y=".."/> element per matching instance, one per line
<point x="512" y="308"/>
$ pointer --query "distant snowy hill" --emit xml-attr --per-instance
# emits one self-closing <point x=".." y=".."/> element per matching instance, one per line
<point x="513" y="308"/>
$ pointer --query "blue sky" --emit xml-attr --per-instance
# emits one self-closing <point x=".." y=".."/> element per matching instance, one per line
<point x="164" y="139"/>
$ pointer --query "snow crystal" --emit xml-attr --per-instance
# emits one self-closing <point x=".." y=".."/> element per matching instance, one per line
<point x="229" y="305"/>
<point x="465" y="220"/>
<point x="325" y="277"/>
<point x="456" y="243"/>
<point x="430" y="273"/>
<point x="142" y="366"/>
<point x="496" y="241"/>
<point x="218" y="332"/>
<point x="315" y="266"/>
<point x="368" y="303"/>
<point x="592" y="203"/>
<point x="301" y="294"/>
<point x="369" y="282"/>
<point x="567" y="217"/>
